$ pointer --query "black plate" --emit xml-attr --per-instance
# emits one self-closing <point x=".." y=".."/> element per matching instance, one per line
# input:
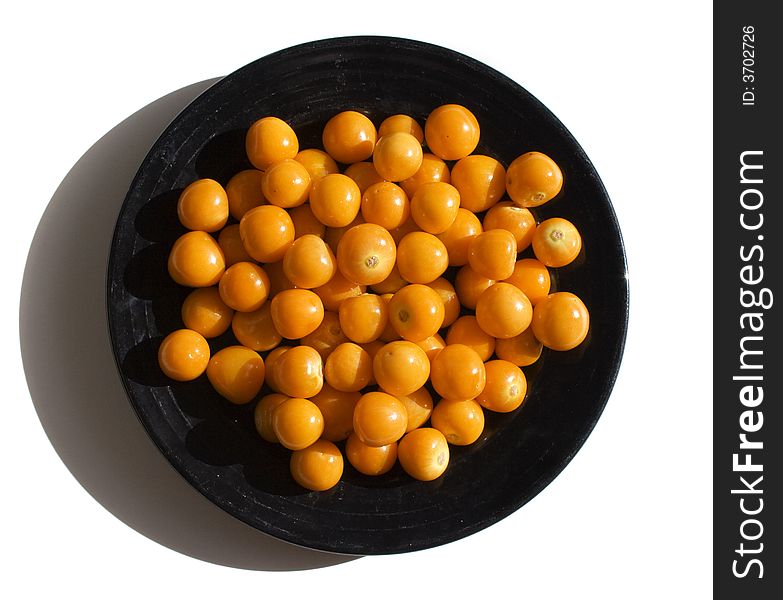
<point x="214" y="445"/>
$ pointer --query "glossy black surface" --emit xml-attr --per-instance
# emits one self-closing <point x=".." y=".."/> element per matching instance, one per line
<point x="214" y="445"/>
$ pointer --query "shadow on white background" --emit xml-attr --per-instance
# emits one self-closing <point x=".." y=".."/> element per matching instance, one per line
<point x="73" y="379"/>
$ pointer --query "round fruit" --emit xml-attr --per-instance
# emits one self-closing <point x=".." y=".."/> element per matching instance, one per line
<point x="556" y="242"/>
<point x="236" y="373"/>
<point x="270" y="140"/>
<point x="271" y="364"/>
<point x="348" y="368"/>
<point x="385" y="204"/>
<point x="205" y="312"/>
<point x="561" y="321"/>
<point x="327" y="336"/>
<point x="364" y="174"/>
<point x="401" y="368"/>
<point x="366" y="254"/>
<point x="492" y="254"/>
<point x="457" y="238"/>
<point x="196" y="260"/>
<point x="317" y="162"/>
<point x="299" y="372"/>
<point x="470" y="285"/>
<point x="317" y="467"/>
<point x="203" y="206"/>
<point x="337" y="410"/>
<point x="267" y="232"/>
<point x="370" y="460"/>
<point x="516" y="219"/>
<point x="460" y="421"/>
<point x="418" y="406"/>
<point x="522" y="350"/>
<point x="305" y="222"/>
<point x="532" y="277"/>
<point x="452" y="132"/>
<point x="533" y="179"/>
<point x="424" y="453"/>
<point x="256" y="330"/>
<point x="183" y="355"/>
<point x="458" y="373"/>
<point x="432" y="169"/>
<point x="309" y="262"/>
<point x="416" y="312"/>
<point x="450" y="300"/>
<point x="421" y="257"/>
<point x="230" y="242"/>
<point x="363" y="318"/>
<point x="297" y="423"/>
<point x="397" y="156"/>
<point x="286" y="183"/>
<point x="297" y="313"/>
<point x="379" y="419"/>
<point x="434" y="206"/>
<point x="506" y="387"/>
<point x="244" y="192"/>
<point x="335" y="200"/>
<point x="262" y="416"/>
<point x="481" y="181"/>
<point x="401" y="124"/>
<point x="466" y="331"/>
<point x="244" y="286"/>
<point x="349" y="137"/>
<point x="503" y="311"/>
<point x="336" y="290"/>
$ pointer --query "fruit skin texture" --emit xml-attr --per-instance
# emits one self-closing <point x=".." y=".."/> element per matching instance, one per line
<point x="467" y="331"/>
<point x="262" y="416"/>
<point x="335" y="200"/>
<point x="364" y="174"/>
<point x="183" y="355"/>
<point x="363" y="318"/>
<point x="318" y="467"/>
<point x="397" y="156"/>
<point x="401" y="368"/>
<point x="461" y="421"/>
<point x="309" y="262"/>
<point x="458" y="373"/>
<point x="434" y="206"/>
<point x="532" y="277"/>
<point x="270" y="140"/>
<point x="230" y="242"/>
<point x="481" y="181"/>
<point x="470" y="285"/>
<point x="458" y="237"/>
<point x="452" y="132"/>
<point x="522" y="350"/>
<point x="299" y="372"/>
<point x="493" y="254"/>
<point x="432" y="169"/>
<point x="370" y="460"/>
<point x="337" y="410"/>
<point x="506" y="387"/>
<point x="561" y="321"/>
<point x="503" y="311"/>
<point x="379" y="419"/>
<point x="203" y="206"/>
<point x="244" y="287"/>
<point x="416" y="312"/>
<point x="267" y="232"/>
<point x="244" y="192"/>
<point x="297" y="313"/>
<point x="336" y="290"/>
<point x="519" y="221"/>
<point x="297" y="423"/>
<point x="196" y="260"/>
<point x="348" y="368"/>
<point x="255" y="330"/>
<point x="286" y="184"/>
<point x="533" y="179"/>
<point x="366" y="254"/>
<point x="327" y="336"/>
<point x="385" y="204"/>
<point x="424" y="453"/>
<point x="349" y="137"/>
<point x="401" y="123"/>
<point x="421" y="257"/>
<point x="317" y="162"/>
<point x="556" y="242"/>
<point x="236" y="373"/>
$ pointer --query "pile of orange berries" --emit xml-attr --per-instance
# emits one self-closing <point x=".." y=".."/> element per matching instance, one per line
<point x="333" y="284"/>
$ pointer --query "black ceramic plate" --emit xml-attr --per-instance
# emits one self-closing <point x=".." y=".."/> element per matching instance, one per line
<point x="214" y="445"/>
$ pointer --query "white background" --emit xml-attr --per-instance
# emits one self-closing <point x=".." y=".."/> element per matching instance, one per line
<point x="630" y="517"/>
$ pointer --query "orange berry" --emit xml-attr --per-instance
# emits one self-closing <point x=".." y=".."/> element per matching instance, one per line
<point x="389" y="333"/>
<point x="262" y="416"/>
<point x="236" y="373"/>
<point x="183" y="355"/>
<point x="379" y="419"/>
<point x="337" y="410"/>
<point x="296" y="313"/>
<point x="385" y="204"/>
<point x="401" y="124"/>
<point x="503" y="311"/>
<point x="318" y="467"/>
<point x="450" y="300"/>
<point x="363" y="318"/>
<point x="391" y="284"/>
<point x="244" y="286"/>
<point x="305" y="222"/>
<point x="335" y="200"/>
<point x="470" y="285"/>
<point x="418" y="407"/>
<point x="460" y="421"/>
<point x="416" y="312"/>
<point x="333" y="235"/>
<point x="423" y="453"/>
<point x="309" y="262"/>
<point x="401" y="368"/>
<point x="370" y="460"/>
<point x="256" y="330"/>
<point x="421" y="257"/>
<point x="532" y="277"/>
<point x="270" y="140"/>
<point x="244" y="192"/>
<point x="397" y="156"/>
<point x="511" y="217"/>
<point x="327" y="336"/>
<point x="203" y="206"/>
<point x="317" y="162"/>
<point x="286" y="183"/>
<point x="506" y="387"/>
<point x="366" y="254"/>
<point x="196" y="260"/>
<point x="205" y="312"/>
<point x="457" y="372"/>
<point x="522" y="350"/>
<point x="277" y="278"/>
<point x="457" y="238"/>
<point x="556" y="242"/>
<point x="299" y="372"/>
<point x="533" y="179"/>
<point x="466" y="331"/>
<point x="364" y="174"/>
<point x="349" y="137"/>
<point x="561" y="321"/>
<point x="336" y="290"/>
<point x="481" y="181"/>
<point x="297" y="423"/>
<point x="400" y="232"/>
<point x="267" y="232"/>
<point x="452" y="132"/>
<point x="348" y="368"/>
<point x="271" y="363"/>
<point x="493" y="254"/>
<point x="434" y="206"/>
<point x="431" y="346"/>
<point x="230" y="242"/>
<point x="432" y="169"/>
